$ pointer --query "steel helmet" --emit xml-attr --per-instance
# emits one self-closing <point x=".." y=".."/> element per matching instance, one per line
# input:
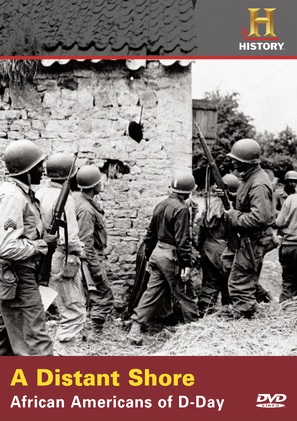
<point x="246" y="150"/>
<point x="58" y="166"/>
<point x="291" y="175"/>
<point x="88" y="176"/>
<point x="21" y="156"/>
<point x="183" y="182"/>
<point x="232" y="182"/>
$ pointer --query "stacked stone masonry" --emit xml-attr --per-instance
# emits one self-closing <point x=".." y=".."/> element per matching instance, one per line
<point x="87" y="107"/>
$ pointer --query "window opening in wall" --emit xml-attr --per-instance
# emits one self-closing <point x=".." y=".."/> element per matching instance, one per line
<point x="114" y="169"/>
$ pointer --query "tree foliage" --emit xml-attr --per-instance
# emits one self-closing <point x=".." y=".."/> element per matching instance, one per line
<point x="232" y="125"/>
<point x="279" y="152"/>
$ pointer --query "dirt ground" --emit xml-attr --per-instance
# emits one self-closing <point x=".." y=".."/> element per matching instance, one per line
<point x="271" y="333"/>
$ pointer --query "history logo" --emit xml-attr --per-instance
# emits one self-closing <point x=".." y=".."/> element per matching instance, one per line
<point x="261" y="34"/>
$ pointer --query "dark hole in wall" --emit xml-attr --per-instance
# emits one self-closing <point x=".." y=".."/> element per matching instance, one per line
<point x="114" y="168"/>
<point x="68" y="83"/>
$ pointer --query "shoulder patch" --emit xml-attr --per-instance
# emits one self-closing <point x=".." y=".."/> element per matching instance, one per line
<point x="10" y="223"/>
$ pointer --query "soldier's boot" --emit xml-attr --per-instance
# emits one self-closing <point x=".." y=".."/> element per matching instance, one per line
<point x="97" y="325"/>
<point x="135" y="336"/>
<point x="262" y="295"/>
<point x="204" y="309"/>
<point x="201" y="310"/>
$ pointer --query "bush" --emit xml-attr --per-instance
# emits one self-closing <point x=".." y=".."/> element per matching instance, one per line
<point x="279" y="164"/>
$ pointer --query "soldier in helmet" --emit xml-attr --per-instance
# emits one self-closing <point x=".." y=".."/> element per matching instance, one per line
<point x="252" y="217"/>
<point x="210" y="240"/>
<point x="290" y="180"/>
<point x="279" y="196"/>
<point x="168" y="249"/>
<point x="286" y="222"/>
<point x="23" y="241"/>
<point x="65" y="273"/>
<point x="92" y="232"/>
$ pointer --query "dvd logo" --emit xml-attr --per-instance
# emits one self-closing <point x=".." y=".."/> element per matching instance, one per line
<point x="265" y="400"/>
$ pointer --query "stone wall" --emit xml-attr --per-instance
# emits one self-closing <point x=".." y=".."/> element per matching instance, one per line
<point x="87" y="106"/>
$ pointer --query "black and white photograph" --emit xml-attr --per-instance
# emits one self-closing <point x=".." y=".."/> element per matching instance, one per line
<point x="116" y="151"/>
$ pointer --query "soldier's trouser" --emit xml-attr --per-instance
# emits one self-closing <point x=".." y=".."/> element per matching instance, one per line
<point x="164" y="271"/>
<point x="23" y="329"/>
<point x="101" y="301"/>
<point x="288" y="260"/>
<point x="214" y="279"/>
<point x="244" y="277"/>
<point x="71" y="300"/>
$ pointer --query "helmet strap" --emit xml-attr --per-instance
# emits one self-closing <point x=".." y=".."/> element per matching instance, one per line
<point x="30" y="191"/>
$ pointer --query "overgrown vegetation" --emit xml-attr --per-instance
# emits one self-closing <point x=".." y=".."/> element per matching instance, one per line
<point x="18" y="71"/>
<point x="279" y="151"/>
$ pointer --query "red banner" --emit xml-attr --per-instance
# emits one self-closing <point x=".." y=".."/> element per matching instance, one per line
<point x="140" y="388"/>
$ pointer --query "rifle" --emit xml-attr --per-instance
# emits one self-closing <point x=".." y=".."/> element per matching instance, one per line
<point x="141" y="279"/>
<point x="233" y="238"/>
<point x="214" y="169"/>
<point x="56" y="222"/>
<point x="87" y="277"/>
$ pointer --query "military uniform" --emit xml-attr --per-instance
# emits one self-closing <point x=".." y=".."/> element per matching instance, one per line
<point x="92" y="233"/>
<point x="23" y="328"/>
<point x="252" y="218"/>
<point x="287" y="223"/>
<point x="168" y="248"/>
<point x="65" y="278"/>
<point x="211" y="243"/>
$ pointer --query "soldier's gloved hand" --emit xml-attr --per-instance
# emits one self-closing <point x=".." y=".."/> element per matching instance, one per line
<point x="277" y="239"/>
<point x="229" y="211"/>
<point x="185" y="274"/>
<point x="82" y="254"/>
<point x="218" y="192"/>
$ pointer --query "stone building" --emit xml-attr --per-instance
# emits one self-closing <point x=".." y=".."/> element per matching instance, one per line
<point x="86" y="106"/>
<point x="79" y="100"/>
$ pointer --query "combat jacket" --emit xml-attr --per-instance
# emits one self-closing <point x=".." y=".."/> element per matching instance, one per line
<point x="287" y="220"/>
<point x="48" y="196"/>
<point x="255" y="203"/>
<point x="171" y="224"/>
<point x="20" y="222"/>
<point x="212" y="225"/>
<point x="92" y="232"/>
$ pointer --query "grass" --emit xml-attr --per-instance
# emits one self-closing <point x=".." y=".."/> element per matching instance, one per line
<point x="272" y="332"/>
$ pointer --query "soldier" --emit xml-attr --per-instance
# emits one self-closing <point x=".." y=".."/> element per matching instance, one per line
<point x="23" y="328"/>
<point x="252" y="217"/>
<point x="211" y="241"/>
<point x="286" y="221"/>
<point x="65" y="274"/>
<point x="92" y="233"/>
<point x="290" y="184"/>
<point x="274" y="182"/>
<point x="168" y="249"/>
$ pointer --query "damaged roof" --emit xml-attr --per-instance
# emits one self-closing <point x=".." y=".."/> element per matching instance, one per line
<point x="97" y="28"/>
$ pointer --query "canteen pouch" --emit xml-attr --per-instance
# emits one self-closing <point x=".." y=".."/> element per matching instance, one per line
<point x="71" y="267"/>
<point x="8" y="282"/>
